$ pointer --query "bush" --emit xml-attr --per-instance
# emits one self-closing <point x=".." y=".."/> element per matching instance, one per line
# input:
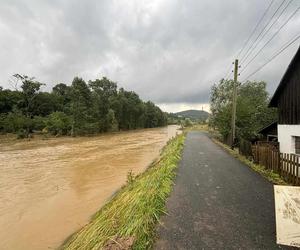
<point x="39" y="123"/>
<point x="15" y="121"/>
<point x="187" y="122"/>
<point x="87" y="128"/>
<point x="58" y="123"/>
<point x="2" y="122"/>
<point x="21" y="134"/>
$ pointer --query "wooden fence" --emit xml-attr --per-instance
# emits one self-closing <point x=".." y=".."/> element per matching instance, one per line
<point x="286" y="165"/>
<point x="289" y="169"/>
<point x="245" y="148"/>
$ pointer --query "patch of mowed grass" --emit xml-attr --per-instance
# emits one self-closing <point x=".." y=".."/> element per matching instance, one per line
<point x="267" y="173"/>
<point x="135" y="210"/>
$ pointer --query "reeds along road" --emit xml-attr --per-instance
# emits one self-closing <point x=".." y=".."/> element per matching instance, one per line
<point x="217" y="203"/>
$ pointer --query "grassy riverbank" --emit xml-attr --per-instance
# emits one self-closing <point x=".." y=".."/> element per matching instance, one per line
<point x="129" y="219"/>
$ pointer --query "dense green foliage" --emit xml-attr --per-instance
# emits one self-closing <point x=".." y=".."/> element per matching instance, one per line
<point x="252" y="108"/>
<point x="82" y="108"/>
<point x="135" y="210"/>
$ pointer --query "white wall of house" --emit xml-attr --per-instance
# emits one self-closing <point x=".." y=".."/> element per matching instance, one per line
<point x="286" y="138"/>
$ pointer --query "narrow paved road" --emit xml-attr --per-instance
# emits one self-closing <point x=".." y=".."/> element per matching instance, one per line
<point x="217" y="203"/>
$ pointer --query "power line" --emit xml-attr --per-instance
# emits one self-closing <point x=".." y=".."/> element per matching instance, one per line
<point x="228" y="71"/>
<point x="258" y="23"/>
<point x="262" y="30"/>
<point x="290" y="17"/>
<point x="273" y="57"/>
<point x="283" y="10"/>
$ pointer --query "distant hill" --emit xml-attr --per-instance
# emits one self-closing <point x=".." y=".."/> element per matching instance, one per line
<point x="193" y="114"/>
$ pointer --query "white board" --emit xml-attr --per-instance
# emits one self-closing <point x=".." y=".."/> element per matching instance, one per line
<point x="287" y="211"/>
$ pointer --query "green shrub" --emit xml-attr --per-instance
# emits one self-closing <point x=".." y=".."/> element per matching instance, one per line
<point x="15" y="121"/>
<point x="21" y="134"/>
<point x="38" y="123"/>
<point x="58" y="123"/>
<point x="186" y="123"/>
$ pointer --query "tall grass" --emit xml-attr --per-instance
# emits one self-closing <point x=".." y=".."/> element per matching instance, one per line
<point x="135" y="209"/>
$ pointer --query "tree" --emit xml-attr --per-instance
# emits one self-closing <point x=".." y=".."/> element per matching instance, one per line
<point x="131" y="112"/>
<point x="77" y="109"/>
<point x="151" y="115"/>
<point x="45" y="103"/>
<point x="80" y="105"/>
<point x="62" y="93"/>
<point x="9" y="100"/>
<point x="30" y="88"/>
<point x="103" y="91"/>
<point x="112" y="121"/>
<point x="252" y="108"/>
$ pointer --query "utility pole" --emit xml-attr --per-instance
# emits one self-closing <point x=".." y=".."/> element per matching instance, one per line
<point x="234" y="98"/>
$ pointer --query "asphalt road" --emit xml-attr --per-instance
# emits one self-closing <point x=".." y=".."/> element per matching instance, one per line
<point x="217" y="203"/>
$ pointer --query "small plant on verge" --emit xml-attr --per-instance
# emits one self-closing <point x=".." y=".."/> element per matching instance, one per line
<point x="130" y="177"/>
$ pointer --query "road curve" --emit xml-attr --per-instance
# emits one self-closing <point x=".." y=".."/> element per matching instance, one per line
<point x="217" y="202"/>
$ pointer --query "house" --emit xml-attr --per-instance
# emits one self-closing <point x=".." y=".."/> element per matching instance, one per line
<point x="287" y="99"/>
<point x="269" y="133"/>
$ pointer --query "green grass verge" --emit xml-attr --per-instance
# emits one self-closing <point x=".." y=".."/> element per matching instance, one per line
<point x="197" y="127"/>
<point x="267" y="173"/>
<point x="135" y="210"/>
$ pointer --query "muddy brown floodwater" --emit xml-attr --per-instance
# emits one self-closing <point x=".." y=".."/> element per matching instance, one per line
<point x="50" y="188"/>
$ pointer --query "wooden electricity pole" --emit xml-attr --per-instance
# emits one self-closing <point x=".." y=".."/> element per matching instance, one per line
<point x="234" y="98"/>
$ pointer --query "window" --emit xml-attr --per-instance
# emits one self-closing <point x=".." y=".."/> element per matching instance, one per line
<point x="297" y="144"/>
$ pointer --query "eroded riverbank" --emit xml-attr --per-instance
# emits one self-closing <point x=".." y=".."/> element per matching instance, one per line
<point x="50" y="188"/>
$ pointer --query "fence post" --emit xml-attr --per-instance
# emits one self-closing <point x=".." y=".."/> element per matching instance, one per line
<point x="289" y="167"/>
<point x="294" y="169"/>
<point x="282" y="165"/>
<point x="278" y="163"/>
<point x="297" y="170"/>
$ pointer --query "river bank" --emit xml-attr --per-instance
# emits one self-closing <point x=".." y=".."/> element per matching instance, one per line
<point x="50" y="188"/>
<point x="128" y="221"/>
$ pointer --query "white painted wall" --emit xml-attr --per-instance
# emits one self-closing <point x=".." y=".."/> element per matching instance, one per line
<point x="285" y="137"/>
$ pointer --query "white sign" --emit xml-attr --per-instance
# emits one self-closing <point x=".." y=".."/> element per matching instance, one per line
<point x="287" y="211"/>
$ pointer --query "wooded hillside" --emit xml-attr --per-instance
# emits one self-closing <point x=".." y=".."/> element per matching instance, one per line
<point x="194" y="114"/>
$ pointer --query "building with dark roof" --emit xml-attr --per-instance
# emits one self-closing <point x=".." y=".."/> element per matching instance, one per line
<point x="287" y="99"/>
<point x="269" y="132"/>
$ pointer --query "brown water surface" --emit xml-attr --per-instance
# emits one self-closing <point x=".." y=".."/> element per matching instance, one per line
<point x="50" y="188"/>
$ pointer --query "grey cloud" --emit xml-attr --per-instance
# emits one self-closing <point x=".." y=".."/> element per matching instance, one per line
<point x="167" y="51"/>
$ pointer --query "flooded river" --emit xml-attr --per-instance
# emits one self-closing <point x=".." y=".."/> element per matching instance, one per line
<point x="50" y="188"/>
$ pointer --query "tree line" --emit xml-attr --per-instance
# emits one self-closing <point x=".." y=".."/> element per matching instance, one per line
<point x="81" y="108"/>
<point x="252" y="111"/>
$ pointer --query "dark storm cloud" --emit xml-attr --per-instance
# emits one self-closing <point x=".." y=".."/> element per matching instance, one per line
<point x="167" y="51"/>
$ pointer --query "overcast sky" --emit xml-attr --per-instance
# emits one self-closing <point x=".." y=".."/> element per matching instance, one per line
<point x="168" y="51"/>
